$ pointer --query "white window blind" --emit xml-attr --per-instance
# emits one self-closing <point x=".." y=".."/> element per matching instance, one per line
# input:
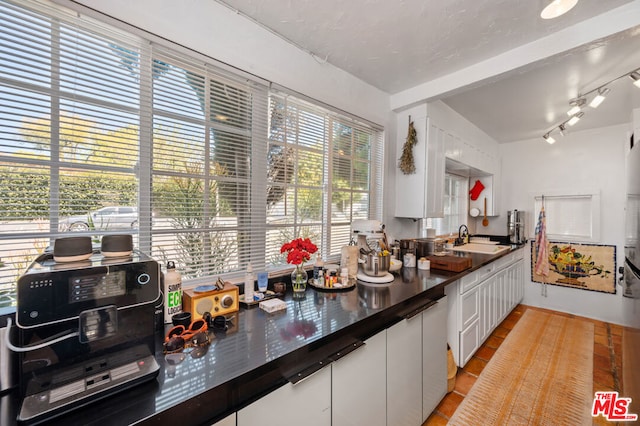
<point x="322" y="173"/>
<point x="103" y="131"/>
<point x="209" y="144"/>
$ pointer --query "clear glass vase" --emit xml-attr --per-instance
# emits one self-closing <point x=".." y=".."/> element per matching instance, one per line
<point x="299" y="279"/>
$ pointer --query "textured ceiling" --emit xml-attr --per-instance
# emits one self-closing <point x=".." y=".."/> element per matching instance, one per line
<point x="397" y="46"/>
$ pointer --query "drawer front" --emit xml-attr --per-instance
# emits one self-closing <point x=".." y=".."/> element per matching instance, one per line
<point x="469" y="281"/>
<point x="505" y="261"/>
<point x="469" y="342"/>
<point x="486" y="271"/>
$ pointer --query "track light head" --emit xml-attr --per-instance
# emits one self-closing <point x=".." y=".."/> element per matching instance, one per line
<point x="573" y="120"/>
<point x="576" y="106"/>
<point x="597" y="100"/>
<point x="550" y="140"/>
<point x="635" y="76"/>
<point x="562" y="128"/>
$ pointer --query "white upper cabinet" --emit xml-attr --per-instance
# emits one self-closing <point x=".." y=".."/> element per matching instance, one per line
<point x="420" y="194"/>
<point x="442" y="135"/>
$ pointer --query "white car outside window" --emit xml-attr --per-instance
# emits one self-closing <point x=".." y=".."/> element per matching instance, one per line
<point x="106" y="218"/>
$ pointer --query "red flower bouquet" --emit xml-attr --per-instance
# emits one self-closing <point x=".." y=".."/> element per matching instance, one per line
<point x="299" y="250"/>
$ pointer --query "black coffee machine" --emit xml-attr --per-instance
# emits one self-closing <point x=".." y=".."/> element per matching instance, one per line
<point x="86" y="330"/>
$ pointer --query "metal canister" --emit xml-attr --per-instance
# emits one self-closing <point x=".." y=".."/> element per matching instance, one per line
<point x="515" y="227"/>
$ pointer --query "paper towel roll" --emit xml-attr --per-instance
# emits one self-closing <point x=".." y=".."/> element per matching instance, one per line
<point x="349" y="259"/>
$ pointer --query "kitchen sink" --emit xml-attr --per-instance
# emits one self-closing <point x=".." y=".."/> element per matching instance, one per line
<point x="481" y="248"/>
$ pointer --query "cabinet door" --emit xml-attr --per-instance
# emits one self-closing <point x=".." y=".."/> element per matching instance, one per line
<point x="469" y="305"/>
<point x="308" y="402"/>
<point x="404" y="373"/>
<point x="410" y="189"/>
<point x="434" y="356"/>
<point x="485" y="299"/>
<point x="453" y="318"/>
<point x="435" y="170"/>
<point x="501" y="295"/>
<point x="520" y="281"/>
<point x="358" y="388"/>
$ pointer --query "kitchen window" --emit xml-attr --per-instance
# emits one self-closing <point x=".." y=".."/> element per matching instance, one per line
<point x="456" y="190"/>
<point x="206" y="167"/>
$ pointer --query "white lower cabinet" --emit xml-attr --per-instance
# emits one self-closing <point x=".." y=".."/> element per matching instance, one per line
<point x="308" y="402"/>
<point x="417" y="365"/>
<point x="404" y="368"/>
<point x="434" y="357"/>
<point x="359" y="385"/>
<point x="479" y="301"/>
<point x="396" y="378"/>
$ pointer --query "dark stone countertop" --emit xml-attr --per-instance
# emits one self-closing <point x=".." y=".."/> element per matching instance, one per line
<point x="260" y="351"/>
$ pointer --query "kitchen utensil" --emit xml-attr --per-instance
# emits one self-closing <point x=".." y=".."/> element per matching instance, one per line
<point x="485" y="221"/>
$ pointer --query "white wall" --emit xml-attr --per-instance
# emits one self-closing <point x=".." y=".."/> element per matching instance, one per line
<point x="591" y="159"/>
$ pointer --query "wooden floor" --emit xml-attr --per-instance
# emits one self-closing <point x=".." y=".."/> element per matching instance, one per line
<point x="607" y="364"/>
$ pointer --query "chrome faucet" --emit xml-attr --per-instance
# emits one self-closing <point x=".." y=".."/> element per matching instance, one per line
<point x="462" y="236"/>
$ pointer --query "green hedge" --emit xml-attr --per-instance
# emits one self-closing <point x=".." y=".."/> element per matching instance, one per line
<point x="25" y="194"/>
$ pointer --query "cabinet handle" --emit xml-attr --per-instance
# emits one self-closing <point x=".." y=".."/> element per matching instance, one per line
<point x="347" y="350"/>
<point x="419" y="310"/>
<point x="307" y="372"/>
<point x="310" y="370"/>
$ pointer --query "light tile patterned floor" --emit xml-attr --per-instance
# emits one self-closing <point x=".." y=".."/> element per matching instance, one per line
<point x="607" y="363"/>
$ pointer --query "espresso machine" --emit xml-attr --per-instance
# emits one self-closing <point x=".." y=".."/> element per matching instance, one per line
<point x="85" y="330"/>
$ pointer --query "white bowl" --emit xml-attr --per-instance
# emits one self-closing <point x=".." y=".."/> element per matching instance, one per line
<point x="395" y="265"/>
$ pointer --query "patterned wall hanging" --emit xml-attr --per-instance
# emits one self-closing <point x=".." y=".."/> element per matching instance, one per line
<point x="584" y="266"/>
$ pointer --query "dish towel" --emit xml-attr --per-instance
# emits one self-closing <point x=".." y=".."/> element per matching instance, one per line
<point x="542" y="256"/>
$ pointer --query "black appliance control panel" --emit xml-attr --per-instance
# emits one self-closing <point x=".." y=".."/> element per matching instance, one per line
<point x="51" y="292"/>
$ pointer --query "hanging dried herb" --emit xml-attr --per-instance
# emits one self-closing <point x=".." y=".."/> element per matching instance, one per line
<point x="407" y="165"/>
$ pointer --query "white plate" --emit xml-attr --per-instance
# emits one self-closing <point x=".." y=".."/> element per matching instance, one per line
<point x="474" y="212"/>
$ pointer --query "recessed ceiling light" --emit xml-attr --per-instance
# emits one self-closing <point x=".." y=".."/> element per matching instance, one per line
<point x="556" y="8"/>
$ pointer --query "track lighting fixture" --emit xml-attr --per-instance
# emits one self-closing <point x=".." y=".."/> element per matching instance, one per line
<point x="600" y="93"/>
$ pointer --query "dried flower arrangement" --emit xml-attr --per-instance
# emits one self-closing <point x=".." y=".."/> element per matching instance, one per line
<point x="407" y="164"/>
